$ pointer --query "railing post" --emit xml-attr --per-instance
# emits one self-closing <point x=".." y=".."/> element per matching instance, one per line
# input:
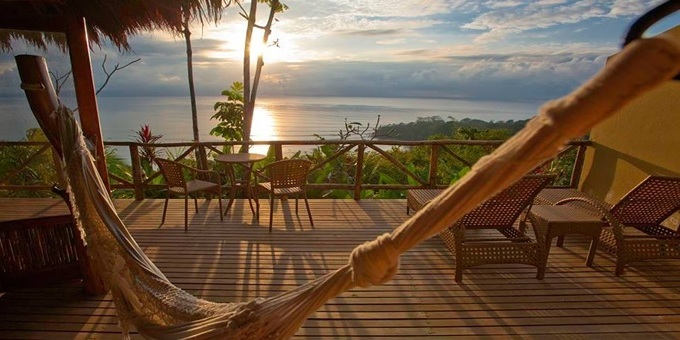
<point x="136" y="172"/>
<point x="201" y="156"/>
<point x="359" y="171"/>
<point x="434" y="160"/>
<point x="278" y="151"/>
<point x="202" y="160"/>
<point x="578" y="166"/>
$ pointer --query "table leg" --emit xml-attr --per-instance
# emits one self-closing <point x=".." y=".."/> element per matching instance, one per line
<point x="232" y="192"/>
<point x="548" y="243"/>
<point x="249" y="189"/>
<point x="593" y="248"/>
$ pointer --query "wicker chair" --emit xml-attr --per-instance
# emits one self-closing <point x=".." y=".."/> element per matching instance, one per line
<point x="174" y="175"/>
<point x="501" y="213"/>
<point x="286" y="177"/>
<point x="634" y="232"/>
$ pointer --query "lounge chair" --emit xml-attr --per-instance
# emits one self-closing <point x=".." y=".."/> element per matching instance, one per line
<point x="635" y="231"/>
<point x="502" y="213"/>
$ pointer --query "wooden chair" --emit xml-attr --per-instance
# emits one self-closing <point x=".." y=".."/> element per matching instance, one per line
<point x="286" y="177"/>
<point x="174" y="174"/>
<point x="502" y="213"/>
<point x="635" y="231"/>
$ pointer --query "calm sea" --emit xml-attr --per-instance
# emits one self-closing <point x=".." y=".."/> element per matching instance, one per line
<point x="279" y="118"/>
<point x="275" y="118"/>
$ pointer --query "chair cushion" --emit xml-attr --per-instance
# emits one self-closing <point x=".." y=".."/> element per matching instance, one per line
<point x="267" y="186"/>
<point x="194" y="186"/>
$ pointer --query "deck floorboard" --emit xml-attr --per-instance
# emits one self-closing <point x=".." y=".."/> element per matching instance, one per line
<point x="238" y="260"/>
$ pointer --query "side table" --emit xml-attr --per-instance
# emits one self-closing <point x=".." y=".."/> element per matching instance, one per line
<point x="246" y="160"/>
<point x="418" y="198"/>
<point x="560" y="220"/>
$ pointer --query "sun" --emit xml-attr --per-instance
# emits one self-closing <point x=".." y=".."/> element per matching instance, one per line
<point x="276" y="50"/>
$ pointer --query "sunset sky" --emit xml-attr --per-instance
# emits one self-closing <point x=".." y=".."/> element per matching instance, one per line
<point x="480" y="50"/>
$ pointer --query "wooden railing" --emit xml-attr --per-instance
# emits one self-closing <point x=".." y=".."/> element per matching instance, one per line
<point x="352" y="153"/>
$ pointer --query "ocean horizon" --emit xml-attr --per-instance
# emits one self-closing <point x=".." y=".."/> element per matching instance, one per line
<point x="276" y="118"/>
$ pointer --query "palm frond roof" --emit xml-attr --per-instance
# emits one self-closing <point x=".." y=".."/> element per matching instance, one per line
<point x="115" y="20"/>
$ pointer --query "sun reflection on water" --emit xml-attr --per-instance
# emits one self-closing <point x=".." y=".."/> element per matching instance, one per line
<point x="263" y="129"/>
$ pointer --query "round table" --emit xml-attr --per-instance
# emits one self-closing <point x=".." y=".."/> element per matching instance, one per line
<point x="246" y="160"/>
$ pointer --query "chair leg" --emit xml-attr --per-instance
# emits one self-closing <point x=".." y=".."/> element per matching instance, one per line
<point x="296" y="203"/>
<point x="540" y="274"/>
<point x="271" y="211"/>
<point x="458" y="232"/>
<point x="165" y="208"/>
<point x="619" y="268"/>
<point x="256" y="193"/>
<point x="309" y="212"/>
<point x="196" y="203"/>
<point x="219" y="199"/>
<point x="186" y="213"/>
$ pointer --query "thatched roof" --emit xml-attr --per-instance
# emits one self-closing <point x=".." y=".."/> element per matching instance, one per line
<point x="115" y="20"/>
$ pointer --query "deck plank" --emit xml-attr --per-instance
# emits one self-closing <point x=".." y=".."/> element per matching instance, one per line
<point x="238" y="260"/>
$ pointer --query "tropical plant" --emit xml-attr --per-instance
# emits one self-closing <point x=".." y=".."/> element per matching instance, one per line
<point x="26" y="167"/>
<point x="229" y="113"/>
<point x="118" y="168"/>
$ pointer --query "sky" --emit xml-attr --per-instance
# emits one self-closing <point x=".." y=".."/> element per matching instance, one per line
<point x="513" y="50"/>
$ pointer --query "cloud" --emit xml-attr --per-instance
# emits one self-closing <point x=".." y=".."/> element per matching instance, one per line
<point x="484" y="50"/>
<point x="394" y="8"/>
<point x="391" y="41"/>
<point x="499" y="21"/>
<point x="621" y="8"/>
<point x="482" y="77"/>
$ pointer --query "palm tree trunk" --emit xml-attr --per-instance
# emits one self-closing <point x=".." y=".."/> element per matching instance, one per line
<point x="200" y="156"/>
<point x="248" y="104"/>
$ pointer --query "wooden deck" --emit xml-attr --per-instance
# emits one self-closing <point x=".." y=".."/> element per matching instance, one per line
<point x="236" y="260"/>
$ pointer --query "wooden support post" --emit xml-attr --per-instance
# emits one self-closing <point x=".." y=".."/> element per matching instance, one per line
<point x="78" y="46"/>
<point x="434" y="161"/>
<point x="359" y="172"/>
<point x="137" y="172"/>
<point x="578" y="166"/>
<point x="202" y="160"/>
<point x="278" y="151"/>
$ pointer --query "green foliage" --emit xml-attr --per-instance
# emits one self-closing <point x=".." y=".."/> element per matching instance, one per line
<point x="115" y="165"/>
<point x="425" y="127"/>
<point x="39" y="171"/>
<point x="230" y="114"/>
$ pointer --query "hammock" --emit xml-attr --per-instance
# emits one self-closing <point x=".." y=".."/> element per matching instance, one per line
<point x="145" y="298"/>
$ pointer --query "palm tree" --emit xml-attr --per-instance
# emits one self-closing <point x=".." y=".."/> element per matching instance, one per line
<point x="250" y="88"/>
<point x="201" y="13"/>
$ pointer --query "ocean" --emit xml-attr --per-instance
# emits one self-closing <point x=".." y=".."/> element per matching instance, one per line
<point x="281" y="118"/>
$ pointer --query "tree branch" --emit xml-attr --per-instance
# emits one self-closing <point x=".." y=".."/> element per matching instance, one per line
<point x="115" y="69"/>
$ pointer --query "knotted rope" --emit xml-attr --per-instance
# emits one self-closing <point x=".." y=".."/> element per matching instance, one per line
<point x="374" y="262"/>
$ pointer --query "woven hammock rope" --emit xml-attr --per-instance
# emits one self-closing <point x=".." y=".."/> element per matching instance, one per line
<point x="146" y="299"/>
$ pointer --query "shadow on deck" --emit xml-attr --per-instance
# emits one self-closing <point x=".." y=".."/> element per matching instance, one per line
<point x="239" y="260"/>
